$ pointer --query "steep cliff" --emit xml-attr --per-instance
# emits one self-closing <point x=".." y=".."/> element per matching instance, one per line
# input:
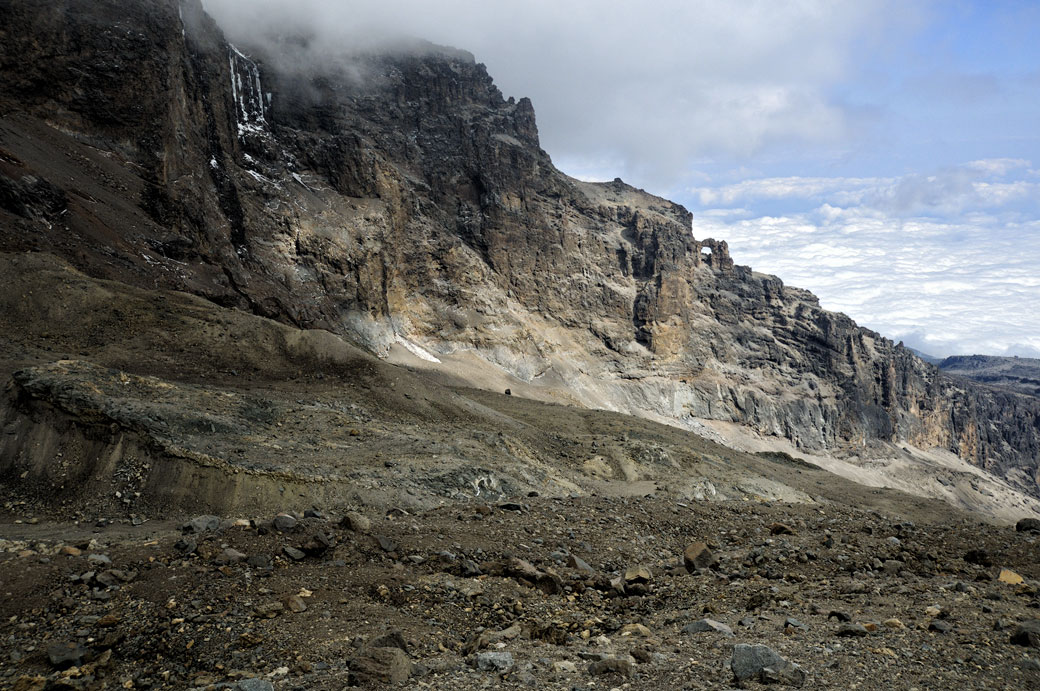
<point x="399" y="198"/>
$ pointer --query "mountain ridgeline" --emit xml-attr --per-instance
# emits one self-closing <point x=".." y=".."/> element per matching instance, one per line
<point x="398" y="199"/>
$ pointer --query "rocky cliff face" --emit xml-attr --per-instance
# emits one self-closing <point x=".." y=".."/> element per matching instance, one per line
<point x="400" y="199"/>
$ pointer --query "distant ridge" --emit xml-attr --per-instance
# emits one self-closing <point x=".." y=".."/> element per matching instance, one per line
<point x="1019" y="374"/>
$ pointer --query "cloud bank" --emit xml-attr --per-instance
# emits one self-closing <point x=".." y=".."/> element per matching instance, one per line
<point x="949" y="263"/>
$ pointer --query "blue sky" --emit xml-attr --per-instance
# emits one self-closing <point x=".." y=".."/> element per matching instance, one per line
<point x="881" y="153"/>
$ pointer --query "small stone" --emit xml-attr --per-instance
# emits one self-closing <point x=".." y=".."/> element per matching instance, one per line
<point x="638" y="574"/>
<point x="576" y="562"/>
<point x="1010" y="577"/>
<point x="69" y="550"/>
<point x="794" y="624"/>
<point x="1027" y="634"/>
<point x="379" y="666"/>
<point x="511" y="506"/>
<point x="254" y="685"/>
<point x="979" y="557"/>
<point x="1031" y="525"/>
<point x="698" y="556"/>
<point x="232" y="556"/>
<point x="765" y="664"/>
<point x="392" y="639"/>
<point x="635" y="630"/>
<point x="258" y="561"/>
<point x="643" y="654"/>
<point x="470" y="569"/>
<point x="939" y="626"/>
<point x="284" y="522"/>
<point x="781" y="529"/>
<point x="65" y="655"/>
<point x="386" y="544"/>
<point x="352" y="520"/>
<point x="186" y="545"/>
<point x="852" y="631"/>
<point x="707" y="625"/>
<point x="498" y="662"/>
<point x="314" y="513"/>
<point x="296" y="604"/>
<point x="564" y="667"/>
<point x="893" y="623"/>
<point x="611" y="665"/>
<point x="269" y="610"/>
<point x="317" y="545"/>
<point x="99" y="559"/>
<point x="1003" y="624"/>
<point x="108" y="620"/>
<point x="201" y="524"/>
<point x="840" y="616"/>
<point x="293" y="553"/>
<point x="932" y="611"/>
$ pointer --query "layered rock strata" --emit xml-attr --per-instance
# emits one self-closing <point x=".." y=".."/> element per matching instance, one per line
<point x="399" y="199"/>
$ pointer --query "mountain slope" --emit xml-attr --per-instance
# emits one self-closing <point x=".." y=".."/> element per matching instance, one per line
<point x="1018" y="374"/>
<point x="399" y="199"/>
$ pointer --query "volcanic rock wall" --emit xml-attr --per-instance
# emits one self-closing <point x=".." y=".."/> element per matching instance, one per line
<point x="398" y="197"/>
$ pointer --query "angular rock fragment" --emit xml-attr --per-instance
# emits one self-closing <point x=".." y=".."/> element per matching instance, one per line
<point x="852" y="631"/>
<point x="781" y="529"/>
<point x="352" y="520"/>
<point x="979" y="557"/>
<point x="66" y="654"/>
<point x="1030" y="525"/>
<point x="621" y="666"/>
<point x="293" y="553"/>
<point x="708" y="625"/>
<point x="638" y="574"/>
<point x="1010" y="577"/>
<point x="498" y="662"/>
<point x="698" y="556"/>
<point x="374" y="666"/>
<point x="762" y="663"/>
<point x="284" y="522"/>
<point x="391" y="639"/>
<point x="385" y="543"/>
<point x="576" y="562"/>
<point x="201" y="524"/>
<point x="1027" y="634"/>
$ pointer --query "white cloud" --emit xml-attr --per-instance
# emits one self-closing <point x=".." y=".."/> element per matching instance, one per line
<point x="998" y="166"/>
<point x="649" y="86"/>
<point x="945" y="287"/>
<point x="954" y="189"/>
<point x="842" y="190"/>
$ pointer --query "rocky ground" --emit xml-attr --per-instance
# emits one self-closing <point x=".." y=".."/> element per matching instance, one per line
<point x="439" y="536"/>
<point x="590" y="592"/>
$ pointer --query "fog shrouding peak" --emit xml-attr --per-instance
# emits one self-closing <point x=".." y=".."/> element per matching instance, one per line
<point x="640" y="91"/>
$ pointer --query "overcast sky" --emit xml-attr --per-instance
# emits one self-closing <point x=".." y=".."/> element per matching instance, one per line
<point x="884" y="154"/>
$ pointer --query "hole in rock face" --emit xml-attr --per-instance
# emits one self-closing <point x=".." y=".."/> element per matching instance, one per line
<point x="706" y="251"/>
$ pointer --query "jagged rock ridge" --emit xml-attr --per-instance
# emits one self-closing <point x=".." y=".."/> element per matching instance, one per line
<point x="401" y="199"/>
